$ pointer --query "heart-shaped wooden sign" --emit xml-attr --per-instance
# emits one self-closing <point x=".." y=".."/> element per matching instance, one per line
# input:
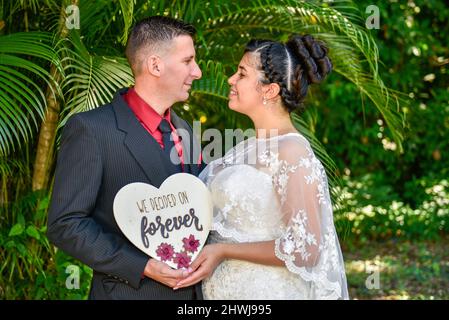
<point x="170" y="224"/>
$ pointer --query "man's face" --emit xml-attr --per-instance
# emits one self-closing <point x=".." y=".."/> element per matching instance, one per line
<point x="180" y="68"/>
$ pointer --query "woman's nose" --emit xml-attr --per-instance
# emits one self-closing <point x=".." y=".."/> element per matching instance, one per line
<point x="231" y="80"/>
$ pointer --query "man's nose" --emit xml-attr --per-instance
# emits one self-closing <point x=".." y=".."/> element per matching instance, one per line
<point x="196" y="73"/>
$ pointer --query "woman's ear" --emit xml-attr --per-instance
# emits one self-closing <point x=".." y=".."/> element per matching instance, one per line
<point x="271" y="91"/>
<point x="154" y="65"/>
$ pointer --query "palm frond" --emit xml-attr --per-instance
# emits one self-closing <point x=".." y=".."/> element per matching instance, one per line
<point x="91" y="80"/>
<point x="99" y="25"/>
<point x="22" y="101"/>
<point x="213" y="82"/>
<point x="127" y="8"/>
<point x="352" y="49"/>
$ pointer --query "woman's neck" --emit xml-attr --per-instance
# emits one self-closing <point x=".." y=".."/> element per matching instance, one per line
<point x="270" y="126"/>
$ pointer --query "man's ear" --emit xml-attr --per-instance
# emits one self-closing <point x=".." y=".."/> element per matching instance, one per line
<point x="271" y="91"/>
<point x="154" y="65"/>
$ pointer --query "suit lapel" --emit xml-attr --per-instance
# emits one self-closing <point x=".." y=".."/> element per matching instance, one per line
<point x="189" y="144"/>
<point x="139" y="142"/>
<point x="146" y="150"/>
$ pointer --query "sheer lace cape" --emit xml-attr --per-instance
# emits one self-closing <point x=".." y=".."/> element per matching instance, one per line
<point x="302" y="217"/>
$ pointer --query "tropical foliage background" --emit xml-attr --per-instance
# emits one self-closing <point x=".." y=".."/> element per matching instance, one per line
<point x="378" y="123"/>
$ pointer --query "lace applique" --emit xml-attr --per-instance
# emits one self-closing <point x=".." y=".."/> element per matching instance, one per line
<point x="242" y="212"/>
<point x="295" y="240"/>
<point x="317" y="174"/>
<point x="329" y="249"/>
<point x="279" y="170"/>
<point x="245" y="205"/>
<point x="242" y="280"/>
<point x="298" y="238"/>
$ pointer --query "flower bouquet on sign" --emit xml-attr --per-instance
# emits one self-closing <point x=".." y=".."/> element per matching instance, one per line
<point x="166" y="252"/>
<point x="170" y="224"/>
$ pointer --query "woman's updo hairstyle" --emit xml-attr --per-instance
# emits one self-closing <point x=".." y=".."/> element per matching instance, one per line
<point x="293" y="66"/>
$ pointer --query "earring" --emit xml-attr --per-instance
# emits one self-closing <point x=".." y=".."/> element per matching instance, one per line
<point x="264" y="101"/>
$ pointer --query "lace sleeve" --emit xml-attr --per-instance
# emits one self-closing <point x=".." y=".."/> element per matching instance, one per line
<point x="308" y="245"/>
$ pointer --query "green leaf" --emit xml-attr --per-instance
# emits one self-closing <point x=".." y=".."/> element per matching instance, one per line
<point x="10" y="244"/>
<point x="32" y="232"/>
<point x="22" y="250"/>
<point x="16" y="230"/>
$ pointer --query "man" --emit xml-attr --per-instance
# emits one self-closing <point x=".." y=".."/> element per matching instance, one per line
<point x="129" y="140"/>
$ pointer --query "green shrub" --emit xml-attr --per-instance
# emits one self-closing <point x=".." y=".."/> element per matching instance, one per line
<point x="373" y="212"/>
<point x="31" y="268"/>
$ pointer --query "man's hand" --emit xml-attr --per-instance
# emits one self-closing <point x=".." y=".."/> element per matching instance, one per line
<point x="203" y="266"/>
<point x="164" y="274"/>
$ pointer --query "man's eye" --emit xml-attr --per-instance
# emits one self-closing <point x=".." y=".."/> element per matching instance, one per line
<point x="241" y="75"/>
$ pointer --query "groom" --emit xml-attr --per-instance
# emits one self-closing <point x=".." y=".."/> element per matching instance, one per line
<point x="135" y="138"/>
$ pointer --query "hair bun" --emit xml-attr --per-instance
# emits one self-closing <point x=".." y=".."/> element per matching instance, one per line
<point x="312" y="55"/>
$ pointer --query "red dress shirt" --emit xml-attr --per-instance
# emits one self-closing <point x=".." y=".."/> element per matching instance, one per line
<point x="150" y="120"/>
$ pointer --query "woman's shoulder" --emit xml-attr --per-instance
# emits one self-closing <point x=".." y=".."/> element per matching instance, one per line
<point x="294" y="145"/>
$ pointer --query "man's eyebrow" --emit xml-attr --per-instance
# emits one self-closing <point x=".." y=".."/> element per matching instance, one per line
<point x="242" y="67"/>
<point x="189" y="58"/>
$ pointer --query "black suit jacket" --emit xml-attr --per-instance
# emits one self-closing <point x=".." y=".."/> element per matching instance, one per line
<point x="101" y="151"/>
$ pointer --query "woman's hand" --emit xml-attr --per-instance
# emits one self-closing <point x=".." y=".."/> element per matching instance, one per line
<point x="163" y="273"/>
<point x="209" y="258"/>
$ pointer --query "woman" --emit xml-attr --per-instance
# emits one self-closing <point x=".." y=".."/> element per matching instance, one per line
<point x="274" y="236"/>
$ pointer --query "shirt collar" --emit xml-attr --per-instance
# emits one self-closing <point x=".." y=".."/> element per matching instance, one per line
<point x="144" y="111"/>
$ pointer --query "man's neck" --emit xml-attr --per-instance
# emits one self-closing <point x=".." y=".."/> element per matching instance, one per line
<point x="159" y="104"/>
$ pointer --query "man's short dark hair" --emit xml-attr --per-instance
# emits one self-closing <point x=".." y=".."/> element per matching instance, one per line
<point x="151" y="34"/>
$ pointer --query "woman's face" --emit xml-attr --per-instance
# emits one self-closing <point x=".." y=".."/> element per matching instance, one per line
<point x="245" y="95"/>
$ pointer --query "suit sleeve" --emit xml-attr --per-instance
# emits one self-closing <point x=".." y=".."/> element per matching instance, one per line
<point x="71" y="226"/>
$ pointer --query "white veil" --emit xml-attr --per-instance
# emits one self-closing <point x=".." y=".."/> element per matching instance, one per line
<point x="306" y="239"/>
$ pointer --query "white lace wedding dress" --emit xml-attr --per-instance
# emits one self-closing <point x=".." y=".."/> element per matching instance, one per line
<point x="275" y="189"/>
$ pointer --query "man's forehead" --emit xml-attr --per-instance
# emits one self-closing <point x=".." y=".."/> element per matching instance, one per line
<point x="183" y="42"/>
<point x="182" y="48"/>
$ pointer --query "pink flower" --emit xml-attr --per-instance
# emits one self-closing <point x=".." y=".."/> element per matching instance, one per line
<point x="191" y="244"/>
<point x="182" y="259"/>
<point x="165" y="251"/>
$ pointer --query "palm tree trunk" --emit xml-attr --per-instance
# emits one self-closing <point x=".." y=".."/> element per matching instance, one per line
<point x="45" y="148"/>
<point x="47" y="135"/>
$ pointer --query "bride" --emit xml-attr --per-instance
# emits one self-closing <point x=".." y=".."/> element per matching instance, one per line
<point x="273" y="232"/>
